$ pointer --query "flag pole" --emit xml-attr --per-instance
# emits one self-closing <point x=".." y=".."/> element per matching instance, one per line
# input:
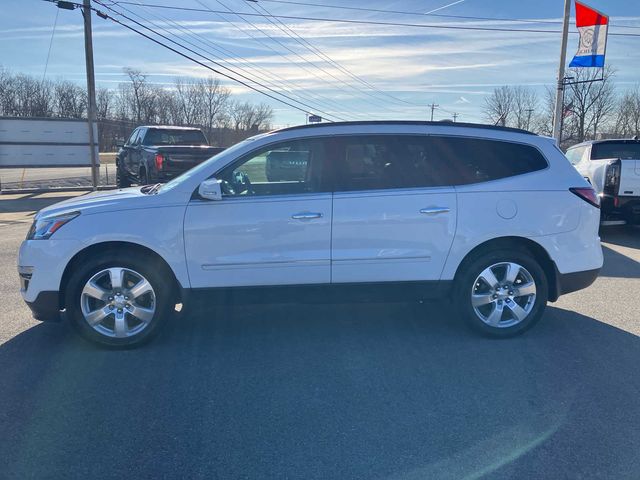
<point x="557" y="117"/>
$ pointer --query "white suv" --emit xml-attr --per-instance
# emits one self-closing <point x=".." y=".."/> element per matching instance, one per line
<point x="495" y="219"/>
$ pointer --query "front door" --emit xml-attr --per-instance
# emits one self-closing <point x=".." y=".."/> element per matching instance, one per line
<point x="394" y="217"/>
<point x="273" y="225"/>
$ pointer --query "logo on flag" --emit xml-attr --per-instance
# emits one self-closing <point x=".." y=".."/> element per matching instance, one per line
<point x="592" y="26"/>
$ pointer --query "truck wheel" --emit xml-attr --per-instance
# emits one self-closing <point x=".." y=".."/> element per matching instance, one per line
<point x="501" y="294"/>
<point x="119" y="300"/>
<point x="122" y="181"/>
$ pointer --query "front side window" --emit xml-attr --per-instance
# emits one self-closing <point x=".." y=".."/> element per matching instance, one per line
<point x="286" y="168"/>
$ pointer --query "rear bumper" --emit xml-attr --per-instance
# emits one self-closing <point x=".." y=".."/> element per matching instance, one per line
<point x="574" y="281"/>
<point x="46" y="307"/>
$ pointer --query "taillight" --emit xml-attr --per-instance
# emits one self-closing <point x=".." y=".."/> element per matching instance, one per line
<point x="159" y="161"/>
<point x="588" y="194"/>
<point x="612" y="178"/>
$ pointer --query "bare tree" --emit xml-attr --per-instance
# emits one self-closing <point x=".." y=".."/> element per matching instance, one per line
<point x="104" y="103"/>
<point x="525" y="103"/>
<point x="70" y="100"/>
<point x="187" y="101"/>
<point x="139" y="96"/>
<point x="214" y="99"/>
<point x="627" y="123"/>
<point x="499" y="106"/>
<point x="592" y="102"/>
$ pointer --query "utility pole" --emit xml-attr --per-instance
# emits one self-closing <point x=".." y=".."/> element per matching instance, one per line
<point x="557" y="117"/>
<point x="433" y="107"/>
<point x="91" y="89"/>
<point x="455" y="116"/>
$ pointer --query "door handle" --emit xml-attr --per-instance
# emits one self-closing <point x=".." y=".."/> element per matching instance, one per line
<point x="435" y="210"/>
<point x="306" y="216"/>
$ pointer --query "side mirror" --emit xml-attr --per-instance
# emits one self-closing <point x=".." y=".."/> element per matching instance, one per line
<point x="119" y="145"/>
<point x="210" y="189"/>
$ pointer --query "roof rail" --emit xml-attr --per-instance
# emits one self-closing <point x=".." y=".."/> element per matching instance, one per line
<point x="408" y="122"/>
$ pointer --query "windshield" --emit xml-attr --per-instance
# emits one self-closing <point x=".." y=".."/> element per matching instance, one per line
<point x="164" y="136"/>
<point x="623" y="150"/>
<point x="205" y="165"/>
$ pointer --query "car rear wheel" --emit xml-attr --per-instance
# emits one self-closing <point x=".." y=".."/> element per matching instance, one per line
<point x="502" y="294"/>
<point x="117" y="300"/>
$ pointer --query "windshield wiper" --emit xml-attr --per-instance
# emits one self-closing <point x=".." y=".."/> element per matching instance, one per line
<point x="151" y="189"/>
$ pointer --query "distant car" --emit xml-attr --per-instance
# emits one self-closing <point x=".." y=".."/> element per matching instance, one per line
<point x="493" y="220"/>
<point x="155" y="154"/>
<point x="613" y="168"/>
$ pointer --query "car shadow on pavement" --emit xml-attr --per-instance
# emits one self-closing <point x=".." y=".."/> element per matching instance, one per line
<point x="324" y="391"/>
<point x="618" y="265"/>
<point x="624" y="236"/>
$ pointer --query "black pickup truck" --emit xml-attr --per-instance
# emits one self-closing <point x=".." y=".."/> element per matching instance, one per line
<point x="155" y="154"/>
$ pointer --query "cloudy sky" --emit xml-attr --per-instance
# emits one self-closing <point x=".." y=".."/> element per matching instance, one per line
<point x="345" y="70"/>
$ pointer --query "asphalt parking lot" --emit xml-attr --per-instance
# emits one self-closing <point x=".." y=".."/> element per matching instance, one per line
<point x="329" y="391"/>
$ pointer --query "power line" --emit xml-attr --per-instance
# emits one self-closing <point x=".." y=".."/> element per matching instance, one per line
<point x="204" y="40"/>
<point x="53" y="32"/>
<point x="303" y="59"/>
<point x="427" y="14"/>
<point x="319" y="53"/>
<point x="373" y="22"/>
<point x="168" y="47"/>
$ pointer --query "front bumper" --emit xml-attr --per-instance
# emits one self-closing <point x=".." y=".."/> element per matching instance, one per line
<point x="46" y="307"/>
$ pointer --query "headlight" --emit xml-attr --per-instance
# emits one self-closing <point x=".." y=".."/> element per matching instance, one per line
<point x="44" y="227"/>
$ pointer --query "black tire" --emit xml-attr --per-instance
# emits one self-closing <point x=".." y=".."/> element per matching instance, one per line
<point x="122" y="181"/>
<point x="161" y="281"/>
<point x="465" y="285"/>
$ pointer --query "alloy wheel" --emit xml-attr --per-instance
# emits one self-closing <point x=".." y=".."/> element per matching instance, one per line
<point x="503" y="295"/>
<point x="118" y="302"/>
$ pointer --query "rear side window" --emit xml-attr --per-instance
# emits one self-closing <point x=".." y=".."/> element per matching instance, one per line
<point x="414" y="161"/>
<point x="474" y="160"/>
<point x="378" y="162"/>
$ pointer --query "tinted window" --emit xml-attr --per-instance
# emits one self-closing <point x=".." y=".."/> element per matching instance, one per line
<point x="287" y="168"/>
<point x="165" y="136"/>
<point x="404" y="161"/>
<point x="623" y="150"/>
<point x="388" y="161"/>
<point x="473" y="160"/>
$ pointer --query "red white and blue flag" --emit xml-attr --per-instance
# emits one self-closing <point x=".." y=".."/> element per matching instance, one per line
<point x="592" y="26"/>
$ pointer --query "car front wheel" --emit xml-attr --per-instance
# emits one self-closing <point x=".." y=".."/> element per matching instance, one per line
<point x="502" y="294"/>
<point x="118" y="300"/>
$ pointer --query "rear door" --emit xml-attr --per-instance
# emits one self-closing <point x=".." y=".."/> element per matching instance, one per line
<point x="394" y="215"/>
